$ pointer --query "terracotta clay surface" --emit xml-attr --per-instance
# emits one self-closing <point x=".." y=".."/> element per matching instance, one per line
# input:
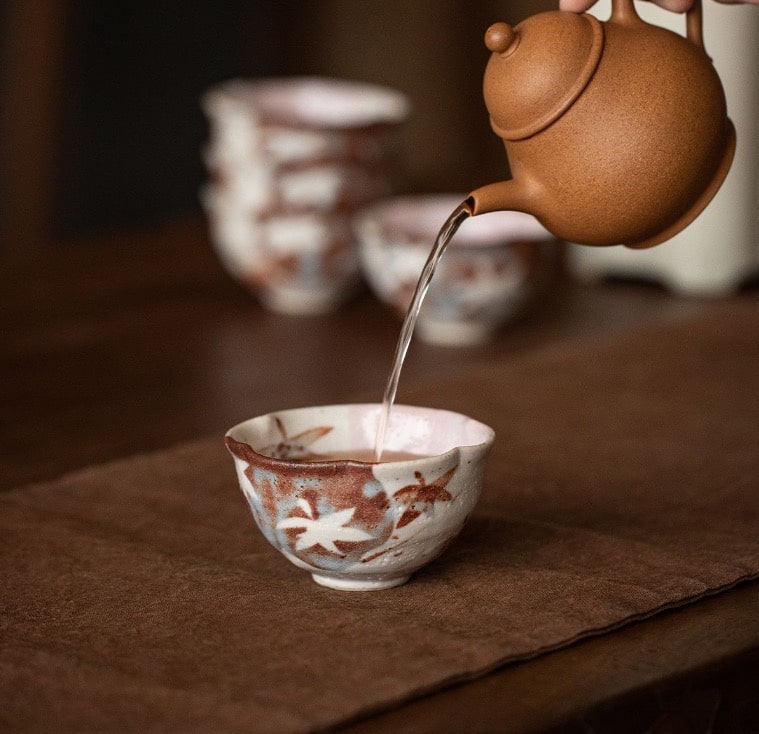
<point x="616" y="132"/>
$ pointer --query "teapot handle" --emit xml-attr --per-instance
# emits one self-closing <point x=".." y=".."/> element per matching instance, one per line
<point x="694" y="19"/>
<point x="694" y="24"/>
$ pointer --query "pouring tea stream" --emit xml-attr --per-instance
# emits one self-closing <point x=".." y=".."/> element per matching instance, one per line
<point x="616" y="133"/>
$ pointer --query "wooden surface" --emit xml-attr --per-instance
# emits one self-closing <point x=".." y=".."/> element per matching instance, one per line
<point x="134" y="342"/>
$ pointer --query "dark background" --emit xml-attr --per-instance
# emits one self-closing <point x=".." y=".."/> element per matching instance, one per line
<point x="101" y="123"/>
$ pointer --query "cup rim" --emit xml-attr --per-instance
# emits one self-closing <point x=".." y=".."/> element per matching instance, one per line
<point x="413" y="220"/>
<point x="344" y="104"/>
<point x="487" y="440"/>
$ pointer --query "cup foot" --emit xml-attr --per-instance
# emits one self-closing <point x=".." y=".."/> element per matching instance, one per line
<point x="453" y="333"/>
<point x="296" y="302"/>
<point x="348" y="584"/>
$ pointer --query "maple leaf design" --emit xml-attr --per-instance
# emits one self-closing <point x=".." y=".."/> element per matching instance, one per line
<point x="293" y="447"/>
<point x="421" y="497"/>
<point x="324" y="530"/>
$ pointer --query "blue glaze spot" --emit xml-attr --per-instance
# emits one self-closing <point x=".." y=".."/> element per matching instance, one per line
<point x="324" y="506"/>
<point x="372" y="488"/>
<point x="262" y="476"/>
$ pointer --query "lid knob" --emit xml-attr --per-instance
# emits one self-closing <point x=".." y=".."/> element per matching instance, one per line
<point x="500" y="37"/>
<point x="538" y="69"/>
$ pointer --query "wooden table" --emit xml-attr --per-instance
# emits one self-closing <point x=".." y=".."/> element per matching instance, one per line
<point x="137" y="341"/>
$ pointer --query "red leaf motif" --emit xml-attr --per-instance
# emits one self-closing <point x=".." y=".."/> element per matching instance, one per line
<point x="420" y="498"/>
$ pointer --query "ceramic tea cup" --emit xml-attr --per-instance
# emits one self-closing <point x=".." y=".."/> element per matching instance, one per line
<point x="318" y="498"/>
<point x="482" y="281"/>
<point x="289" y="161"/>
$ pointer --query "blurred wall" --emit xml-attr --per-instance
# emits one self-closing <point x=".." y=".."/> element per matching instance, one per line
<point x="431" y="49"/>
<point x="116" y="98"/>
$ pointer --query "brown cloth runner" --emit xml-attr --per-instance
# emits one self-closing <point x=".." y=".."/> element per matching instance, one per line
<point x="139" y="596"/>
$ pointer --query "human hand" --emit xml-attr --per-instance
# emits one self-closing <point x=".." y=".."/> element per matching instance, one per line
<point x="677" y="6"/>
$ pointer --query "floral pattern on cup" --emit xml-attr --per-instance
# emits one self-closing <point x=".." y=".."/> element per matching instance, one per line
<point x="289" y="162"/>
<point x="483" y="280"/>
<point x="334" y="520"/>
<point x="355" y="524"/>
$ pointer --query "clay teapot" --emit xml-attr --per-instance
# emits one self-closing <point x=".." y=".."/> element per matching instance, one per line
<point x="616" y="132"/>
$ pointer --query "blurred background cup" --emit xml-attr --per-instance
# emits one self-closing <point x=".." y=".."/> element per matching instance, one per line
<point x="290" y="160"/>
<point x="492" y="267"/>
<point x="719" y="252"/>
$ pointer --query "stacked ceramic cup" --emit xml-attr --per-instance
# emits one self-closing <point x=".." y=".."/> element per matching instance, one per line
<point x="290" y="161"/>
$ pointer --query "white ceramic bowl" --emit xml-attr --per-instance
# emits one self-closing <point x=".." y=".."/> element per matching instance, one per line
<point x="356" y="525"/>
<point x="482" y="280"/>
<point x="296" y="263"/>
<point x="289" y="161"/>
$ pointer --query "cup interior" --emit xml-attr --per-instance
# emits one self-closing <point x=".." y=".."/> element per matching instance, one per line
<point x="416" y="220"/>
<point x="299" y="433"/>
<point x="320" y="102"/>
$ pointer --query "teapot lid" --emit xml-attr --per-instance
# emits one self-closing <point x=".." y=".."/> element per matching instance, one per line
<point x="538" y="69"/>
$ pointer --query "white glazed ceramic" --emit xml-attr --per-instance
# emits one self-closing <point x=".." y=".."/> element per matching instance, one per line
<point x="289" y="161"/>
<point x="295" y="263"/>
<point x="482" y="280"/>
<point x="356" y="525"/>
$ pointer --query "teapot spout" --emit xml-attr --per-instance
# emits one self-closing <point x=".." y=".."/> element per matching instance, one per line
<point x="511" y="195"/>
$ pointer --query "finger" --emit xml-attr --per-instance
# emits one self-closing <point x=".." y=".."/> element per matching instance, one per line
<point x="575" y="6"/>
<point x="676" y="6"/>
